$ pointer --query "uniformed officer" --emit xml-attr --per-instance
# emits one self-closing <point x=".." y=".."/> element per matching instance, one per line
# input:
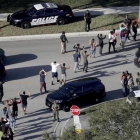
<point x="87" y="18"/>
<point x="55" y="108"/>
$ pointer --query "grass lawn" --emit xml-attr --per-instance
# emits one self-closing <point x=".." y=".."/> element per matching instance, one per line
<point x="99" y="23"/>
<point x="15" y="5"/>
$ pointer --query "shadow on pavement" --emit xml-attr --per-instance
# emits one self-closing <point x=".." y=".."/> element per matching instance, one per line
<point x="13" y="59"/>
<point x="25" y="72"/>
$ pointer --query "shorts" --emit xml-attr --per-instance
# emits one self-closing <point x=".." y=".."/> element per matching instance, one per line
<point x="123" y="39"/>
<point x="23" y="106"/>
<point x="64" y="76"/>
<point x="54" y="74"/>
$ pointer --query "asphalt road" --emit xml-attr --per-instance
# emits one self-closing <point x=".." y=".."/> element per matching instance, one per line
<point x="26" y="58"/>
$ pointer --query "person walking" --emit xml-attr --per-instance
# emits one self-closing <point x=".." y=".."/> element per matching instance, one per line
<point x="55" y="108"/>
<point x="54" y="71"/>
<point x="87" y="18"/>
<point x="134" y="28"/>
<point x="85" y="60"/>
<point x="111" y="41"/>
<point x="77" y="48"/>
<point x="1" y="91"/>
<point x="42" y="74"/>
<point x="92" y="47"/>
<point x="76" y="60"/>
<point x="63" y="40"/>
<point x="138" y="80"/>
<point x="127" y="22"/>
<point x="63" y="72"/>
<point x="124" y="85"/>
<point x="24" y="100"/>
<point x="15" y="103"/>
<point x="101" y="43"/>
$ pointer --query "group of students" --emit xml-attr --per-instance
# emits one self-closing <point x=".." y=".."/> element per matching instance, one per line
<point x="9" y="115"/>
<point x="127" y="82"/>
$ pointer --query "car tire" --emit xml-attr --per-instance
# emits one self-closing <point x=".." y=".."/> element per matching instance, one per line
<point x="66" y="108"/>
<point x="25" y="25"/>
<point x="60" y="21"/>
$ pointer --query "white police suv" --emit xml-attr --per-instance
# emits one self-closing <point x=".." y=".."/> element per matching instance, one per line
<point x="41" y="14"/>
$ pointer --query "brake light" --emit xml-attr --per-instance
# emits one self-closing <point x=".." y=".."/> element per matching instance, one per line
<point x="71" y="12"/>
<point x="104" y="87"/>
<point x="4" y="71"/>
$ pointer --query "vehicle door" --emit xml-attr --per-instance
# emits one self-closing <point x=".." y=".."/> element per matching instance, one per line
<point x="38" y="17"/>
<point x="77" y="96"/>
<point x="88" y="92"/>
<point x="50" y="16"/>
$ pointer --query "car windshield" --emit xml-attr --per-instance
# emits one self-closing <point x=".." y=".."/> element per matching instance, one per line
<point x="66" y="90"/>
<point x="31" y="10"/>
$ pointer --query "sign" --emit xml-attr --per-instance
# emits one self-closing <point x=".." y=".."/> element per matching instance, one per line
<point x="77" y="124"/>
<point x="75" y="110"/>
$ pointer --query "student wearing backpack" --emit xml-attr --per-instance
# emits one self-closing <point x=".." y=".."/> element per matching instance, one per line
<point x="138" y="80"/>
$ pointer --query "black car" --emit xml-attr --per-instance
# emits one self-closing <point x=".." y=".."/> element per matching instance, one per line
<point x="76" y="92"/>
<point x="2" y="71"/>
<point x="41" y="14"/>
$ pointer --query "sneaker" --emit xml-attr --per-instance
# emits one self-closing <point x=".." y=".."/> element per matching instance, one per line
<point x="52" y="83"/>
<point x="46" y="91"/>
<point x="58" y="80"/>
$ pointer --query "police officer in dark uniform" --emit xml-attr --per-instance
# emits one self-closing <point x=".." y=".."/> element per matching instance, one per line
<point x="55" y="108"/>
<point x="87" y="18"/>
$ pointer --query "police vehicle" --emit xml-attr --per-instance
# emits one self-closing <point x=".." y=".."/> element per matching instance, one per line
<point x="41" y="14"/>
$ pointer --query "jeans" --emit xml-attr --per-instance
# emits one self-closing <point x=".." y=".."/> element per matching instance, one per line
<point x="111" y="43"/>
<point x="13" y="125"/>
<point x="85" y="66"/>
<point x="87" y="24"/>
<point x="42" y="84"/>
<point x="93" y="52"/>
<point x="75" y="66"/>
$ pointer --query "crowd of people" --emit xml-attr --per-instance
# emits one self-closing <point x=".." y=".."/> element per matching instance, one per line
<point x="9" y="116"/>
<point x="127" y="82"/>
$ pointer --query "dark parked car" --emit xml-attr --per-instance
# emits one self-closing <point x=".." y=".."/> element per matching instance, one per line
<point x="2" y="55"/>
<point x="77" y="92"/>
<point x="41" y="14"/>
<point x="2" y="71"/>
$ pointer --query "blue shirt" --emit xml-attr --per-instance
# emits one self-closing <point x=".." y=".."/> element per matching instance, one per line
<point x="42" y="78"/>
<point x="75" y="56"/>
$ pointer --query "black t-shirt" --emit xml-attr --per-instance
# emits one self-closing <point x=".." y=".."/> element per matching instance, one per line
<point x="88" y="17"/>
<point x="24" y="99"/>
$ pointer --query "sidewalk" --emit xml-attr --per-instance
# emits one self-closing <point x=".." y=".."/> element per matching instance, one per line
<point x="95" y="11"/>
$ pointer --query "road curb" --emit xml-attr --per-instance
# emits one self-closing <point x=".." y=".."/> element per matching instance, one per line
<point x="66" y="121"/>
<point x="51" y="36"/>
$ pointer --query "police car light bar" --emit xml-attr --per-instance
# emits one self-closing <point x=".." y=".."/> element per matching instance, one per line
<point x="50" y="5"/>
<point x="38" y="6"/>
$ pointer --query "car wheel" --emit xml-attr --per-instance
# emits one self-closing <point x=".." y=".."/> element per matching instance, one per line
<point x="60" y="21"/>
<point x="66" y="107"/>
<point x="25" y="25"/>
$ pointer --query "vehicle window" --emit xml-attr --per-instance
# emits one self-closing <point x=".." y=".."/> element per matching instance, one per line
<point x="49" y="11"/>
<point x="87" y="88"/>
<point x="67" y="90"/>
<point x="40" y="13"/>
<point x="31" y="11"/>
<point x="78" y="91"/>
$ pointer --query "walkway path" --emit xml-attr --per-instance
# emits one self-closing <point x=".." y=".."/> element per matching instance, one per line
<point x="96" y="11"/>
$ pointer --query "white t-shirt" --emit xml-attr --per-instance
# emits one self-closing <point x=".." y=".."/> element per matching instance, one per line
<point x="54" y="67"/>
